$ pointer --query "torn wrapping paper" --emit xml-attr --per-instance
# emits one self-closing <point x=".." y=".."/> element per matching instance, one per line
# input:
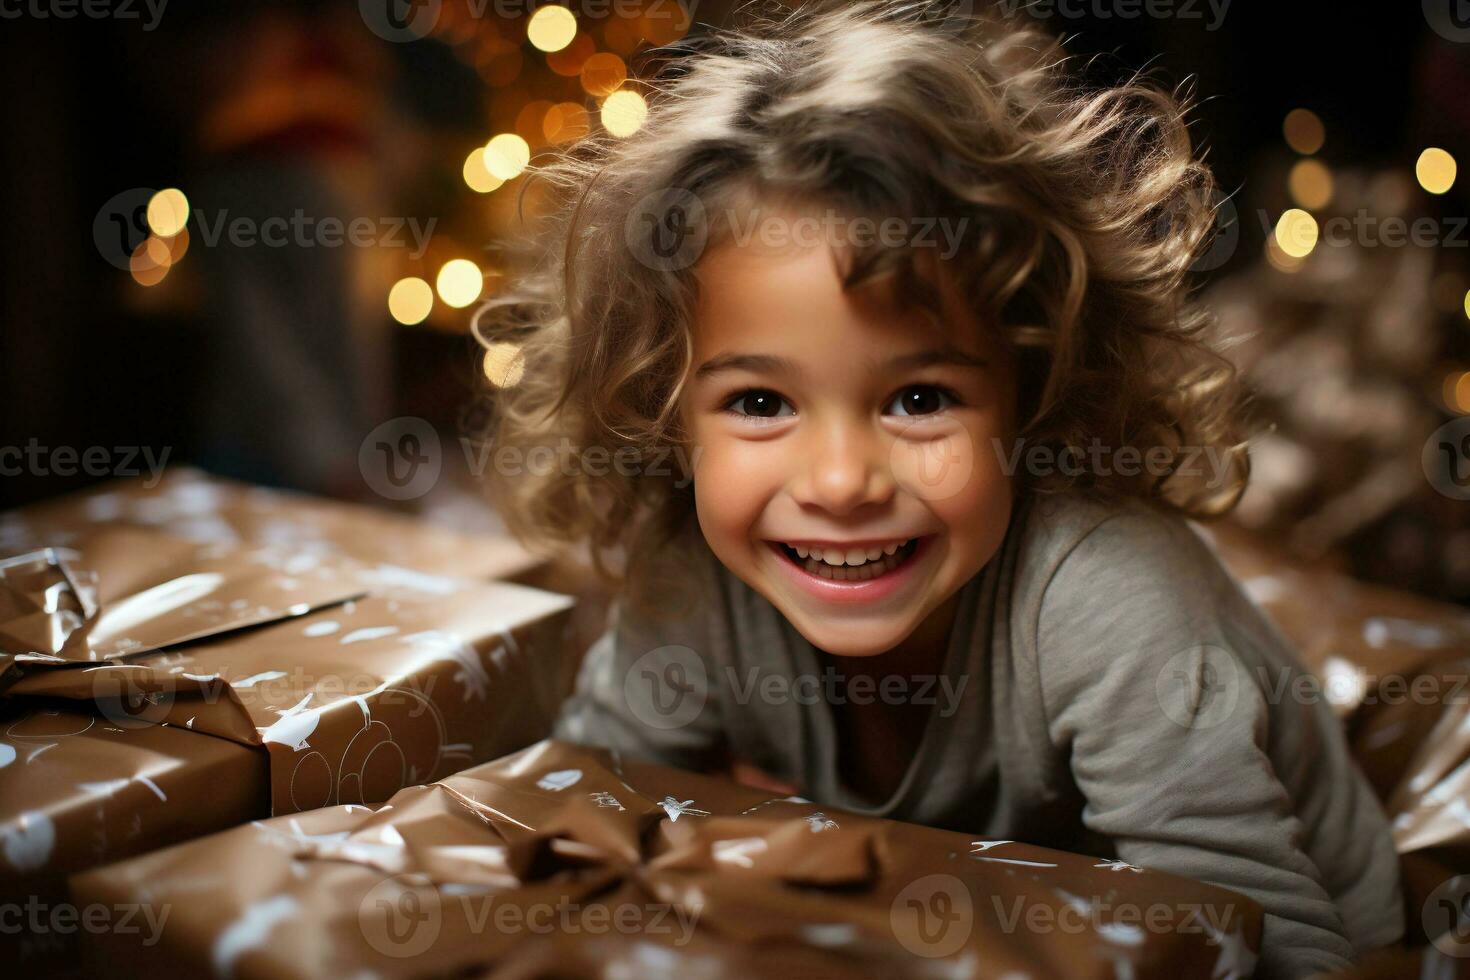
<point x="558" y="860"/>
<point x="190" y="504"/>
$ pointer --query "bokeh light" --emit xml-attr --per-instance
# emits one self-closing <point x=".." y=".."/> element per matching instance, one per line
<point x="1456" y="392"/>
<point x="603" y="74"/>
<point x="1436" y="170"/>
<point x="410" y="301"/>
<point x="624" y="112"/>
<point x="1311" y="184"/>
<point x="566" y="121"/>
<point x="551" y="28"/>
<point x="569" y="60"/>
<point x="507" y="155"/>
<point x="168" y="212"/>
<point x="1304" y="131"/>
<point x="477" y="174"/>
<point x="150" y="261"/>
<point x="1296" y="233"/>
<point x="459" y="283"/>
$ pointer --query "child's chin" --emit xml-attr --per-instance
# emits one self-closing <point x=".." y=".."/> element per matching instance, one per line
<point x="865" y="642"/>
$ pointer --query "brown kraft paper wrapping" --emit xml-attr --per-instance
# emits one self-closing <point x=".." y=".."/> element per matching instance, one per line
<point x="558" y="860"/>
<point x="190" y="504"/>
<point x="212" y="724"/>
<point x="1396" y="669"/>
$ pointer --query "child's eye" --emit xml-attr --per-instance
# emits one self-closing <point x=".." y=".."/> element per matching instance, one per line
<point x="759" y="403"/>
<point x="921" y="400"/>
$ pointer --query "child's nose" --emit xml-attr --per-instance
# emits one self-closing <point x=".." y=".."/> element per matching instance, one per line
<point x="846" y="469"/>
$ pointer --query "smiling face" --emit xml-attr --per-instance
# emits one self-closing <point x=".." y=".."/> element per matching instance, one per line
<point x="837" y="425"/>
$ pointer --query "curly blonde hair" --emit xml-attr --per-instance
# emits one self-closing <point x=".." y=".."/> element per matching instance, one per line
<point x="1085" y="211"/>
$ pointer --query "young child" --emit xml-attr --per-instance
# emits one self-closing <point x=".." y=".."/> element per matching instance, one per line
<point x="819" y="336"/>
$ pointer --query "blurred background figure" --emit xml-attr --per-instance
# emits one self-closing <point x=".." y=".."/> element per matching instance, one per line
<point x="288" y="106"/>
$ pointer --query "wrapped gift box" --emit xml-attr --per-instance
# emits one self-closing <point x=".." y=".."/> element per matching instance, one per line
<point x="156" y="689"/>
<point x="190" y="504"/>
<point x="563" y="860"/>
<point x="1396" y="669"/>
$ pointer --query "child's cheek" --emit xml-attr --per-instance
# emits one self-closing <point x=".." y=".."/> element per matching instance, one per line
<point x="733" y="481"/>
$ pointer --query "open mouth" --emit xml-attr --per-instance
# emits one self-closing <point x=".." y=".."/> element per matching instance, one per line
<point x="849" y="565"/>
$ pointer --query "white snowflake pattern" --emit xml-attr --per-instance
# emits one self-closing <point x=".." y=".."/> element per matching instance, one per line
<point x="605" y="799"/>
<point x="1118" y="866"/>
<point x="676" y="809"/>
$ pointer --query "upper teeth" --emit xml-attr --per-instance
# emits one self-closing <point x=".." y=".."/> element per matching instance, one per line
<point x="848" y="556"/>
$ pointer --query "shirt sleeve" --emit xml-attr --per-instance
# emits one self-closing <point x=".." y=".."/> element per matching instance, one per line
<point x="1148" y="684"/>
<point x="648" y="687"/>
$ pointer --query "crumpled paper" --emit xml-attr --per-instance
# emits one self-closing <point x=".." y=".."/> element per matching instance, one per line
<point x="527" y="865"/>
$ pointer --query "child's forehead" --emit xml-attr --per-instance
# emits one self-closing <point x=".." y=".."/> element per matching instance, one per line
<point x="798" y="299"/>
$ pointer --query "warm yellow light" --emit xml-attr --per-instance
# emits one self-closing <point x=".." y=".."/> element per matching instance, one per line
<point x="477" y="174"/>
<point x="565" y="121"/>
<point x="504" y="364"/>
<point x="460" y="282"/>
<point x="168" y="212"/>
<point x="1456" y="392"/>
<point x="1436" y="170"/>
<point x="150" y="261"/>
<point x="410" y="300"/>
<point x="1296" y="233"/>
<point x="551" y="28"/>
<point x="177" y="246"/>
<point x="1311" y="184"/>
<point x="507" y="155"/>
<point x="624" y="112"/>
<point x="1467" y="306"/>
<point x="603" y="74"/>
<point x="1304" y="131"/>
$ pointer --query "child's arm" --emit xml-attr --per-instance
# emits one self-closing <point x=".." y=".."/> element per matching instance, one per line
<point x="1166" y="686"/>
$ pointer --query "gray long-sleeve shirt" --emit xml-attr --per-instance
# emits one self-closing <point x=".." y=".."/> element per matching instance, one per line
<point x="1107" y="689"/>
